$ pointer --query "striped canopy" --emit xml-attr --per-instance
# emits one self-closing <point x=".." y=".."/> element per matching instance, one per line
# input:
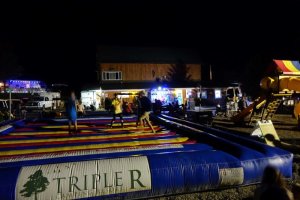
<point x="288" y="66"/>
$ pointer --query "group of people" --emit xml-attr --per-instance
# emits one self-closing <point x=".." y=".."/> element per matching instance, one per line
<point x="144" y="106"/>
<point x="230" y="106"/>
<point x="127" y="108"/>
<point x="143" y="103"/>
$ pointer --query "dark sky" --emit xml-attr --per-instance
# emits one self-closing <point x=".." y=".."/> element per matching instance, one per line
<point x="48" y="37"/>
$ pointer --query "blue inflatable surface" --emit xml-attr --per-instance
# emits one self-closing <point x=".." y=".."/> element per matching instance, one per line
<point x="40" y="160"/>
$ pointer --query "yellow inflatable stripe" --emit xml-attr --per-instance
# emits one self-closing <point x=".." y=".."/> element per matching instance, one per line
<point x="48" y="132"/>
<point x="128" y="128"/>
<point x="148" y="131"/>
<point x="64" y="126"/>
<point x="94" y="146"/>
<point x="76" y="138"/>
<point x="125" y="123"/>
<point x="290" y="66"/>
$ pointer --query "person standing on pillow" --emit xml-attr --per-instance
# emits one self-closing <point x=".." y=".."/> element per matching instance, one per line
<point x="72" y="112"/>
<point x="117" y="110"/>
<point x="145" y="109"/>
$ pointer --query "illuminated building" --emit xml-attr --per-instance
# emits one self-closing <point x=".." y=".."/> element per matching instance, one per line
<point x="128" y="70"/>
<point x="22" y="86"/>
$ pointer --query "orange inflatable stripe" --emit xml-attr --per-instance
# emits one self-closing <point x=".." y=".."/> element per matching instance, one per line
<point x="64" y="126"/>
<point x="48" y="132"/>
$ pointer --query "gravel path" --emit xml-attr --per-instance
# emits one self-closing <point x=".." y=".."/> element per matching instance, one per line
<point x="242" y="193"/>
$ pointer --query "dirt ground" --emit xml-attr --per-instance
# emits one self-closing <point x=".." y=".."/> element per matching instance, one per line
<point x="285" y="125"/>
<point x="241" y="193"/>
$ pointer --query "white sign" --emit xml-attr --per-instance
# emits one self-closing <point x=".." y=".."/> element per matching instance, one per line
<point x="231" y="176"/>
<point x="265" y="128"/>
<point x="83" y="179"/>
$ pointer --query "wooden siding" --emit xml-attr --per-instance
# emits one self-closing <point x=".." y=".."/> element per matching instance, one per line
<point x="144" y="71"/>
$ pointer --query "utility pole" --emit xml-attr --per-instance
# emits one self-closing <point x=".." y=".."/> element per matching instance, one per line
<point x="9" y="103"/>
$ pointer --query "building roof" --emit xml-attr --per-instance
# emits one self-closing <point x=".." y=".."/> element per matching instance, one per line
<point x="120" y="54"/>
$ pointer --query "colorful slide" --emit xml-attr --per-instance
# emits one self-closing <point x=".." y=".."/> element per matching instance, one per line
<point x="290" y="67"/>
<point x="290" y="82"/>
<point x="267" y="83"/>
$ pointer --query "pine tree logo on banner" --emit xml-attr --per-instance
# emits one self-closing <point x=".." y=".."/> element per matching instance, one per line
<point x="37" y="183"/>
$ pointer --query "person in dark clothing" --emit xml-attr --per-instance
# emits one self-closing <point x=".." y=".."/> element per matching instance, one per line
<point x="157" y="106"/>
<point x="145" y="109"/>
<point x="242" y="104"/>
<point x="107" y="104"/>
<point x="273" y="186"/>
<point x="176" y="105"/>
<point x="137" y="103"/>
<point x="171" y="109"/>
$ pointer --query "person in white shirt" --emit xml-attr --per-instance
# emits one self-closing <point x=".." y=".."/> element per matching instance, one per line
<point x="80" y="109"/>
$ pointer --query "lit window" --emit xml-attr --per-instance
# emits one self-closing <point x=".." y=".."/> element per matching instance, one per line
<point x="204" y="94"/>
<point x="217" y="94"/>
<point x="111" y="75"/>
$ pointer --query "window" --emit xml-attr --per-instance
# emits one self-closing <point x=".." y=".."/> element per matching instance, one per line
<point x="218" y="94"/>
<point x="111" y="75"/>
<point x="204" y="94"/>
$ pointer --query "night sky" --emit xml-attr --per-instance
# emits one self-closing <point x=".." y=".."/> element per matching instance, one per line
<point x="56" y="41"/>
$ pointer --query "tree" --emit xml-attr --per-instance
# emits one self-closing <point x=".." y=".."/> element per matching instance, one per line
<point x="9" y="67"/>
<point x="37" y="183"/>
<point x="179" y="73"/>
<point x="253" y="71"/>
